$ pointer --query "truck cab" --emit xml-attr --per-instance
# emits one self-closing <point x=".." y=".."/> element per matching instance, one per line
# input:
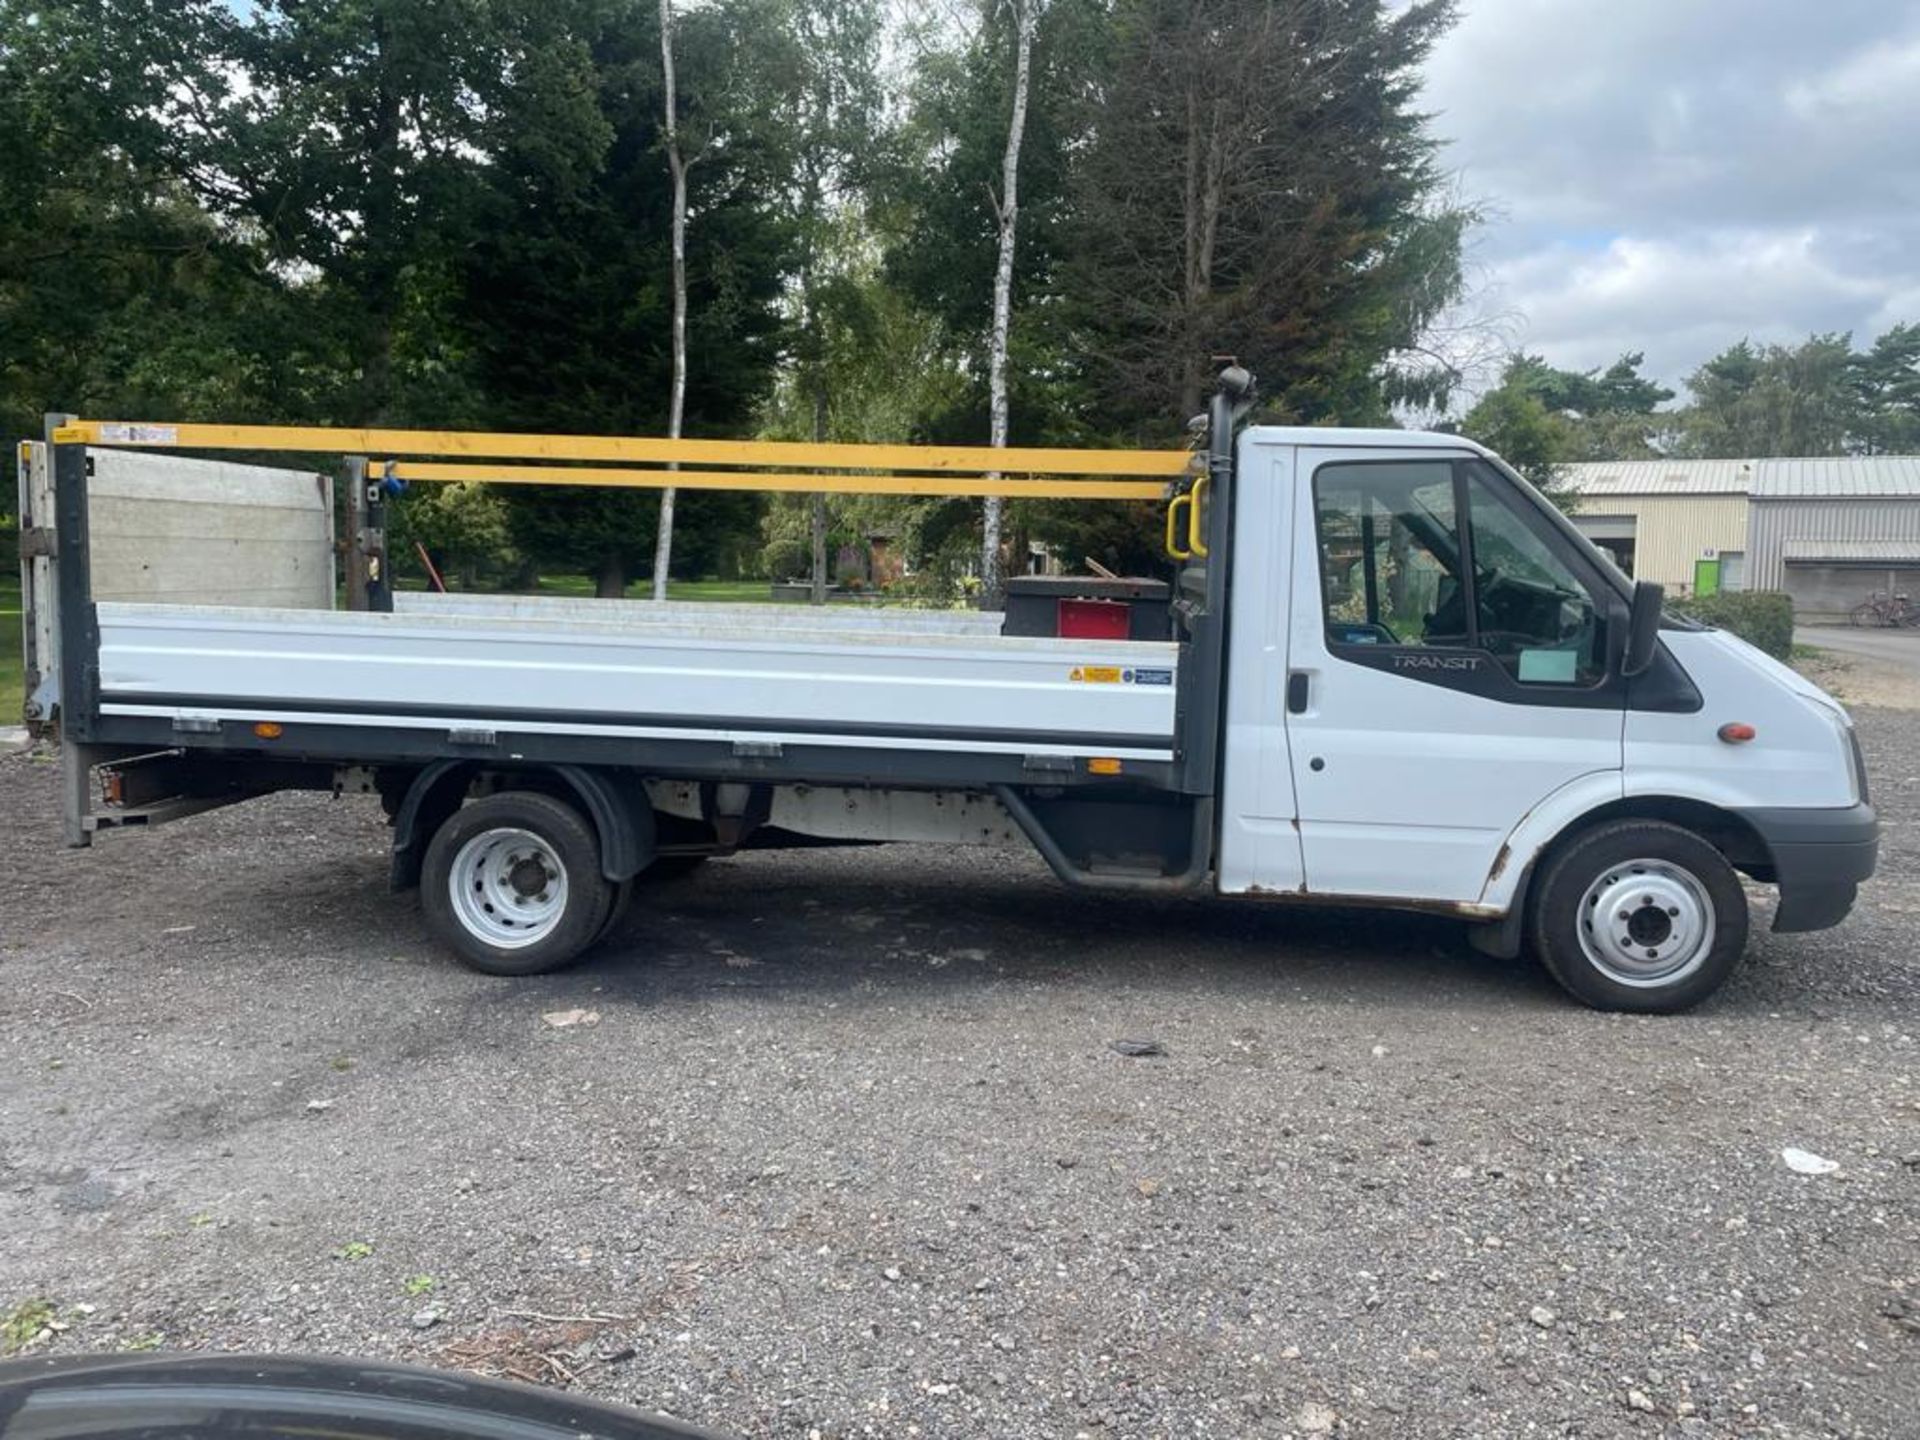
<point x="1432" y="700"/>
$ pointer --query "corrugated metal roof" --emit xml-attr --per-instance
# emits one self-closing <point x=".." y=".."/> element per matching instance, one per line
<point x="1661" y="477"/>
<point x="1859" y="552"/>
<point x="1848" y="477"/>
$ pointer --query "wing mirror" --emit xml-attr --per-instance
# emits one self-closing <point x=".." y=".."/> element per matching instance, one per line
<point x="1643" y="627"/>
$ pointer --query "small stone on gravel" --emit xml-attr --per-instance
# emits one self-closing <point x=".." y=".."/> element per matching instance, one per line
<point x="1542" y="1316"/>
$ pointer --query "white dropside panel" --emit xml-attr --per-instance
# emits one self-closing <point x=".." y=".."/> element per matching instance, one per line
<point x="705" y="617"/>
<point x="207" y="532"/>
<point x="952" y="692"/>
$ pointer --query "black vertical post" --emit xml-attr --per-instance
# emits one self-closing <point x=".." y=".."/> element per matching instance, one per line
<point x="1203" y="661"/>
<point x="79" y="637"/>
<point x="379" y="570"/>
<point x="353" y="479"/>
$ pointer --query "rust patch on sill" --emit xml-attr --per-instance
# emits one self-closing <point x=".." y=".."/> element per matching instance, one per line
<point x="1458" y="909"/>
<point x="1499" y="864"/>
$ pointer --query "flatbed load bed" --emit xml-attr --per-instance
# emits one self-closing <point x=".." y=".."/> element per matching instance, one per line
<point x="922" y="680"/>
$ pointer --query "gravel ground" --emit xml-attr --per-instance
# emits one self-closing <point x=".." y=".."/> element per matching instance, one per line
<point x="849" y="1150"/>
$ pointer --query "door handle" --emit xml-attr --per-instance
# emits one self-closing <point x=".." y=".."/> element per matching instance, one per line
<point x="1297" y="684"/>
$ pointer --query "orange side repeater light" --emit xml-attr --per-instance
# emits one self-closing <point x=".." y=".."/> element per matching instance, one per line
<point x="1737" y="732"/>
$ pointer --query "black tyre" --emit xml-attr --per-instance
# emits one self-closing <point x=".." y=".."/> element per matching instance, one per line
<point x="1866" y="615"/>
<point x="1638" y="915"/>
<point x="511" y="884"/>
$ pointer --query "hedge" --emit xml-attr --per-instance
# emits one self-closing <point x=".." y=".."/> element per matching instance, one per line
<point x="1763" y="618"/>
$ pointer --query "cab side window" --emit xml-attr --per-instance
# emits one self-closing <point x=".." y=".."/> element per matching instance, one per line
<point x="1531" y="612"/>
<point x="1435" y="554"/>
<point x="1390" y="555"/>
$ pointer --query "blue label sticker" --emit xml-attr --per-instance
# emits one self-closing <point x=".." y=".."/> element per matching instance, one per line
<point x="1150" y="677"/>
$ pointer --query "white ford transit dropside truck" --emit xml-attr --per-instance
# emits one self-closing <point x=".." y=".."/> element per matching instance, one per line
<point x="1393" y="675"/>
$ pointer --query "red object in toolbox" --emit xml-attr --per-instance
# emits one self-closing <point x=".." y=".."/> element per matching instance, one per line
<point x="1094" y="620"/>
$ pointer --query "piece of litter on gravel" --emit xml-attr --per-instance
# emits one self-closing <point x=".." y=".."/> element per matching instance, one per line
<point x="1805" y="1162"/>
<point x="892" y="1272"/>
<point x="563" y="1019"/>
<point x="179" y="929"/>
<point x="319" y="1106"/>
<point x="1316" y="1419"/>
<point x="1138" y="1049"/>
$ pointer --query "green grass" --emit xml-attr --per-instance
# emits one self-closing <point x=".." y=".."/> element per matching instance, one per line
<point x="13" y="677"/>
<point x="741" y="592"/>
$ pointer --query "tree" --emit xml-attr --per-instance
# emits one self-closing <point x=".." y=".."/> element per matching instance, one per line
<point x="565" y="293"/>
<point x="1006" y="206"/>
<point x="117" y="293"/>
<point x="1887" y="393"/>
<point x="1773" y="400"/>
<point x="677" y="402"/>
<point x="1515" y="421"/>
<point x="1257" y="181"/>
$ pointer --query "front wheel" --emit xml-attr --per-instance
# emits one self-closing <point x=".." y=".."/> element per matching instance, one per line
<point x="1639" y="915"/>
<point x="512" y="884"/>
<point x="1866" y="615"/>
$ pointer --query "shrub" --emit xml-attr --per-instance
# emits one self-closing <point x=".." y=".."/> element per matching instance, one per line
<point x="1763" y="618"/>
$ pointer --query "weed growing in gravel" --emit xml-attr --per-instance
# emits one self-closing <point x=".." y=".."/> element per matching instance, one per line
<point x="353" y="1250"/>
<point x="152" y="1340"/>
<point x="25" y="1323"/>
<point x="200" y="1221"/>
<point x="417" y="1284"/>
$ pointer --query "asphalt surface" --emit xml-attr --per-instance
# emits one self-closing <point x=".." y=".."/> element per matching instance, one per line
<point x="1899" y="649"/>
<point x="849" y="1150"/>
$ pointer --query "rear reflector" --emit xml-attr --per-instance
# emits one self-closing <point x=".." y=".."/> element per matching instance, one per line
<point x="1103" y="765"/>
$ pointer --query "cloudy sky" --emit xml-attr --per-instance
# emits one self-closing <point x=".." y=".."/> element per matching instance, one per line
<point x="1669" y="175"/>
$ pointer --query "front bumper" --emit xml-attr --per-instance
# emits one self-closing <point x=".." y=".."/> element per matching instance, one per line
<point x="1819" y="859"/>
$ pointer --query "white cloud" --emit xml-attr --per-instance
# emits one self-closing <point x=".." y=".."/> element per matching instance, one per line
<point x="1674" y="175"/>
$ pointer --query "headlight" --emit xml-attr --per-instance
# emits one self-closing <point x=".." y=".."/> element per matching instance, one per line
<point x="1849" y="745"/>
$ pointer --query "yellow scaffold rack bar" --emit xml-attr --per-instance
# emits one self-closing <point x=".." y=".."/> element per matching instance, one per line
<point x="602" y="460"/>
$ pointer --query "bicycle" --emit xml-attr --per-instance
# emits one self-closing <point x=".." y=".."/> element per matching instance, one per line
<point x="1880" y="609"/>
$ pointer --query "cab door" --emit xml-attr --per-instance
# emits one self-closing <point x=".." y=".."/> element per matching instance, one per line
<point x="1449" y="667"/>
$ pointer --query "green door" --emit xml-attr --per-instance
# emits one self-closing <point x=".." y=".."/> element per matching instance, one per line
<point x="1706" y="577"/>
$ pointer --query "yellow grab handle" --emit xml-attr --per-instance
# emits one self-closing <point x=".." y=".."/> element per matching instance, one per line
<point x="1173" y="527"/>
<point x="1196" y="541"/>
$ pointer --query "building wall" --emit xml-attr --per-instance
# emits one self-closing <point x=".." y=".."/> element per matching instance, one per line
<point x="1823" y="594"/>
<point x="1774" y="522"/>
<point x="1672" y="531"/>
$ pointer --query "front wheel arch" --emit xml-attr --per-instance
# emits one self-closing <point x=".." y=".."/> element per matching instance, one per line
<point x="1729" y="833"/>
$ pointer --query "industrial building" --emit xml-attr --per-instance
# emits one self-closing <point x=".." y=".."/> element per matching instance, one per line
<point x="1829" y="532"/>
<point x="1679" y="523"/>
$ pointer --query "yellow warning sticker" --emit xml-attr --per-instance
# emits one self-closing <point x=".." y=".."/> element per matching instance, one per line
<point x="1095" y="674"/>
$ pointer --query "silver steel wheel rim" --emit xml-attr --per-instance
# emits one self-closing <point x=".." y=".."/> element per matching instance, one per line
<point x="1645" y="923"/>
<point x="508" y="888"/>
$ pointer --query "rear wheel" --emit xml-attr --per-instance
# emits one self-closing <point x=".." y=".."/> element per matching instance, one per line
<point x="512" y="884"/>
<point x="1639" y="915"/>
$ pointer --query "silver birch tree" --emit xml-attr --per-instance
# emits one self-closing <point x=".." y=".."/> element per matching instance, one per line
<point x="1007" y="213"/>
